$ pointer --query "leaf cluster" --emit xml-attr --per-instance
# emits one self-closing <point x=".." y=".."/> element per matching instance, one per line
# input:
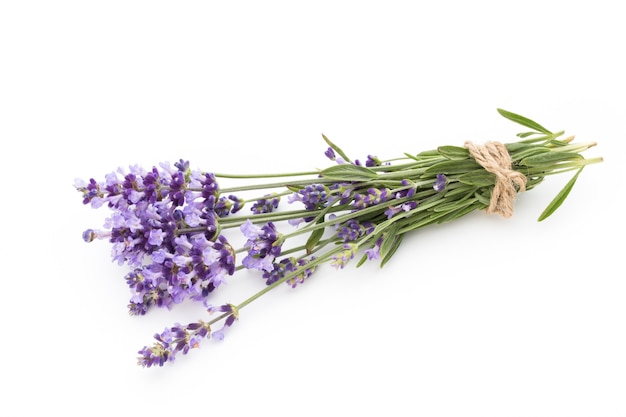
<point x="538" y="153"/>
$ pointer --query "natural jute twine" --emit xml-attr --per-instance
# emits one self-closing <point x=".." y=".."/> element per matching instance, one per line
<point x="494" y="157"/>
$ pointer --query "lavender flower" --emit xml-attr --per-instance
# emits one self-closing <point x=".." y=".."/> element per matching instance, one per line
<point x="265" y="205"/>
<point x="162" y="226"/>
<point x="278" y="271"/>
<point x="372" y="197"/>
<point x="353" y="230"/>
<point x="89" y="235"/>
<point x="313" y="196"/>
<point x="304" y="269"/>
<point x="172" y="341"/>
<point x="341" y="259"/>
<point x="264" y="245"/>
<point x="233" y="315"/>
<point x="406" y="207"/>
<point x="440" y="183"/>
<point x="373" y="253"/>
<point x="288" y="266"/>
<point x="171" y="225"/>
<point x="407" y="190"/>
<point x="372" y="161"/>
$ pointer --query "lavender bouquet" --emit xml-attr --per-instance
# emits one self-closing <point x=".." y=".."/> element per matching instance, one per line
<point x="177" y="229"/>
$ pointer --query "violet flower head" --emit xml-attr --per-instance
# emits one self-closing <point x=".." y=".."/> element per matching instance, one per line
<point x="172" y="341"/>
<point x="392" y="211"/>
<point x="157" y="355"/>
<point x="151" y="207"/>
<point x="312" y="196"/>
<point x="303" y="269"/>
<point x="230" y="319"/>
<point x="341" y="259"/>
<point x="89" y="235"/>
<point x="372" y="197"/>
<point x="226" y="205"/>
<point x="92" y="193"/>
<point x="263" y="245"/>
<point x="440" y="183"/>
<point x="353" y="230"/>
<point x="407" y="190"/>
<point x="164" y="227"/>
<point x="290" y="265"/>
<point x="406" y="207"/>
<point x="372" y="161"/>
<point x="279" y="270"/>
<point x="373" y="253"/>
<point x="265" y="205"/>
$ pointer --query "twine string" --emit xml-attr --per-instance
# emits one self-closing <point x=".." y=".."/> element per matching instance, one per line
<point x="494" y="158"/>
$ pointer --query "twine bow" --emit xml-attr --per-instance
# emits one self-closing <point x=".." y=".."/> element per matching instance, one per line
<point x="494" y="157"/>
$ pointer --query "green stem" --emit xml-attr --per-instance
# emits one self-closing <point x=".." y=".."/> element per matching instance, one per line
<point x="227" y="223"/>
<point x="269" y="196"/>
<point x="254" y="176"/>
<point x="314" y="262"/>
<point x="277" y="185"/>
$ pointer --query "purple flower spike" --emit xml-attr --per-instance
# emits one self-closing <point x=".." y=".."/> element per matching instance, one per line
<point x="341" y="259"/>
<point x="392" y="211"/>
<point x="374" y="252"/>
<point x="440" y="183"/>
<point x="290" y="265"/>
<point x="230" y="319"/>
<point x="264" y="245"/>
<point x="372" y="161"/>
<point x="265" y="205"/>
<point x="406" y="192"/>
<point x="304" y="271"/>
<point x="312" y="196"/>
<point x="226" y="205"/>
<point x="374" y="196"/>
<point x="353" y="230"/>
<point x="172" y="341"/>
<point x="89" y="235"/>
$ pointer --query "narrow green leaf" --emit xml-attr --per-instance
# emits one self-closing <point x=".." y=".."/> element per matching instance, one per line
<point x="453" y="152"/>
<point x="526" y="134"/>
<point x="336" y="148"/>
<point x="459" y="188"/>
<point x="556" y="142"/>
<point x="448" y="206"/>
<point x="484" y="198"/>
<point x="460" y="166"/>
<point x="433" y="152"/>
<point x="549" y="158"/>
<point x="391" y="250"/>
<point x="523" y="121"/>
<point x="313" y="239"/>
<point x="525" y="153"/>
<point x="516" y="146"/>
<point x="348" y="172"/>
<point x="478" y="178"/>
<point x="408" y="155"/>
<point x="388" y="239"/>
<point x="361" y="261"/>
<point x="560" y="197"/>
<point x="475" y="205"/>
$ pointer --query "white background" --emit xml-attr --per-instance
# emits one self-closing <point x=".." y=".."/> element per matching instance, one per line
<point x="483" y="316"/>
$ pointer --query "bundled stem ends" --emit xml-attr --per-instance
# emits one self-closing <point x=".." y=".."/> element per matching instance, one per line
<point x="495" y="158"/>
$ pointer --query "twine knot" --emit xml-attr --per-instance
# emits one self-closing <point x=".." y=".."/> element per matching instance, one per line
<point x="494" y="157"/>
